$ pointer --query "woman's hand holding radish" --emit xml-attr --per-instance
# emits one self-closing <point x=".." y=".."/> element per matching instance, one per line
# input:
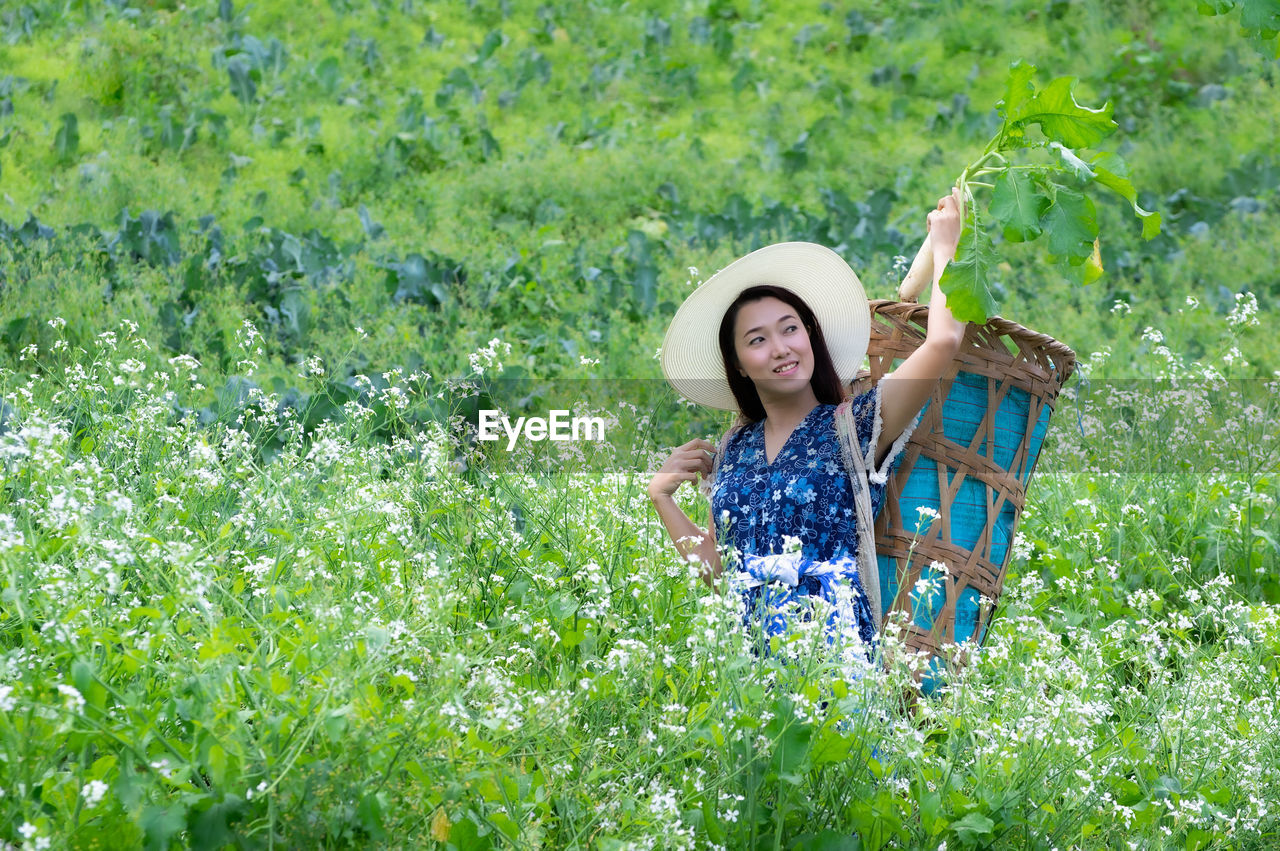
<point x="945" y="224"/>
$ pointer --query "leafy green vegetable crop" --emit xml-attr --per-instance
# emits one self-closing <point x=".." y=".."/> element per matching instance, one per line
<point x="1033" y="199"/>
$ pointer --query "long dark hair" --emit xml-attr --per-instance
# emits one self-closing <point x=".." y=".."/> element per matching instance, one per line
<point x="825" y="382"/>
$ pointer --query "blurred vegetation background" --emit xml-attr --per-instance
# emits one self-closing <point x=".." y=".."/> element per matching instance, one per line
<point x="440" y="174"/>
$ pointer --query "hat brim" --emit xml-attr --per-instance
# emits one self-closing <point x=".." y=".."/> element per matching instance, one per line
<point x="691" y="359"/>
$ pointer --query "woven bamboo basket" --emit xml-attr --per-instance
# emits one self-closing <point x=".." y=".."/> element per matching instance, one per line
<point x="970" y="459"/>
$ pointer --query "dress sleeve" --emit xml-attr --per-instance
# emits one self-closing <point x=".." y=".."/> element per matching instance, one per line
<point x="866" y="416"/>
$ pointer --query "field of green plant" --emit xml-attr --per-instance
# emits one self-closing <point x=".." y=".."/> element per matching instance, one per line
<point x="259" y="262"/>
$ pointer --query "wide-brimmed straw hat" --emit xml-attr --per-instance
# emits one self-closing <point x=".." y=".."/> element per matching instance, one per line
<point x="691" y="358"/>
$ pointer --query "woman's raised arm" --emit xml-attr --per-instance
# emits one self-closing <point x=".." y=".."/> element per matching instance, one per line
<point x="904" y="391"/>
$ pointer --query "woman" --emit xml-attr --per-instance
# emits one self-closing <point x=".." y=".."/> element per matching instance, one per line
<point x="799" y="468"/>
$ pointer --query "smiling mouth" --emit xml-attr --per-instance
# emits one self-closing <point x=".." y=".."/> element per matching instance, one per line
<point x="786" y="367"/>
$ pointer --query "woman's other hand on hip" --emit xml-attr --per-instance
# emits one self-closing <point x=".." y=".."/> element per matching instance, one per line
<point x="684" y="464"/>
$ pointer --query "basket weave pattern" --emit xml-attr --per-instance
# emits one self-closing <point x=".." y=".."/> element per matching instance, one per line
<point x="979" y="437"/>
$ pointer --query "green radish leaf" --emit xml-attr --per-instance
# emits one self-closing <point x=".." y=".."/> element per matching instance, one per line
<point x="966" y="280"/>
<point x="1259" y="19"/>
<point x="1093" y="266"/>
<point x="1112" y="172"/>
<point x="1261" y="15"/>
<point x="1061" y="119"/>
<point x="1074" y="164"/>
<point x="1017" y="206"/>
<point x="1111" y="163"/>
<point x="1072" y="224"/>
<point x="1019" y="90"/>
<point x="1150" y="222"/>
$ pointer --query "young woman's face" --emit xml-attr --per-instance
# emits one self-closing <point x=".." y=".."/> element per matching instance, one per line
<point x="772" y="346"/>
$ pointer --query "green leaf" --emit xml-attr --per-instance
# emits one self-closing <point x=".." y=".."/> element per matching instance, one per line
<point x="832" y="747"/>
<point x="422" y="281"/>
<point x="213" y="828"/>
<point x="973" y="826"/>
<point x="240" y="70"/>
<point x="296" y="312"/>
<point x="67" y="140"/>
<point x="1261" y="15"/>
<point x="1061" y="119"/>
<point x="644" y="280"/>
<point x="370" y="813"/>
<point x="792" y="749"/>
<point x="372" y="229"/>
<point x="491" y="42"/>
<point x="1074" y="164"/>
<point x="328" y="74"/>
<point x="1093" y="266"/>
<point x="1072" y="224"/>
<point x="161" y="824"/>
<point x="82" y="673"/>
<point x="1259" y="19"/>
<point x="1113" y="173"/>
<point x="1018" y="90"/>
<point x="562" y="605"/>
<point x="966" y="280"/>
<point x="1017" y="206"/>
<point x="930" y="812"/>
<point x="828" y="840"/>
<point x="710" y="821"/>
<point x="489" y="147"/>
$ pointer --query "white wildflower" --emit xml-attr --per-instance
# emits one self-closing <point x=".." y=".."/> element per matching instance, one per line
<point x="74" y="700"/>
<point x="487" y="357"/>
<point x="93" y="793"/>
<point x="10" y="535"/>
<point x="1245" y="312"/>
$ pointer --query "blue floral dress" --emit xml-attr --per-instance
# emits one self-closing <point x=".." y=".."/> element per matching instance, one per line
<point x="805" y="494"/>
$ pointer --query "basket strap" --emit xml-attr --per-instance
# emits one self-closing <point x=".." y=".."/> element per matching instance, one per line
<point x="856" y="467"/>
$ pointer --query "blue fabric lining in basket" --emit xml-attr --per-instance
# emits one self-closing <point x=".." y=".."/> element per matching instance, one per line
<point x="963" y="413"/>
